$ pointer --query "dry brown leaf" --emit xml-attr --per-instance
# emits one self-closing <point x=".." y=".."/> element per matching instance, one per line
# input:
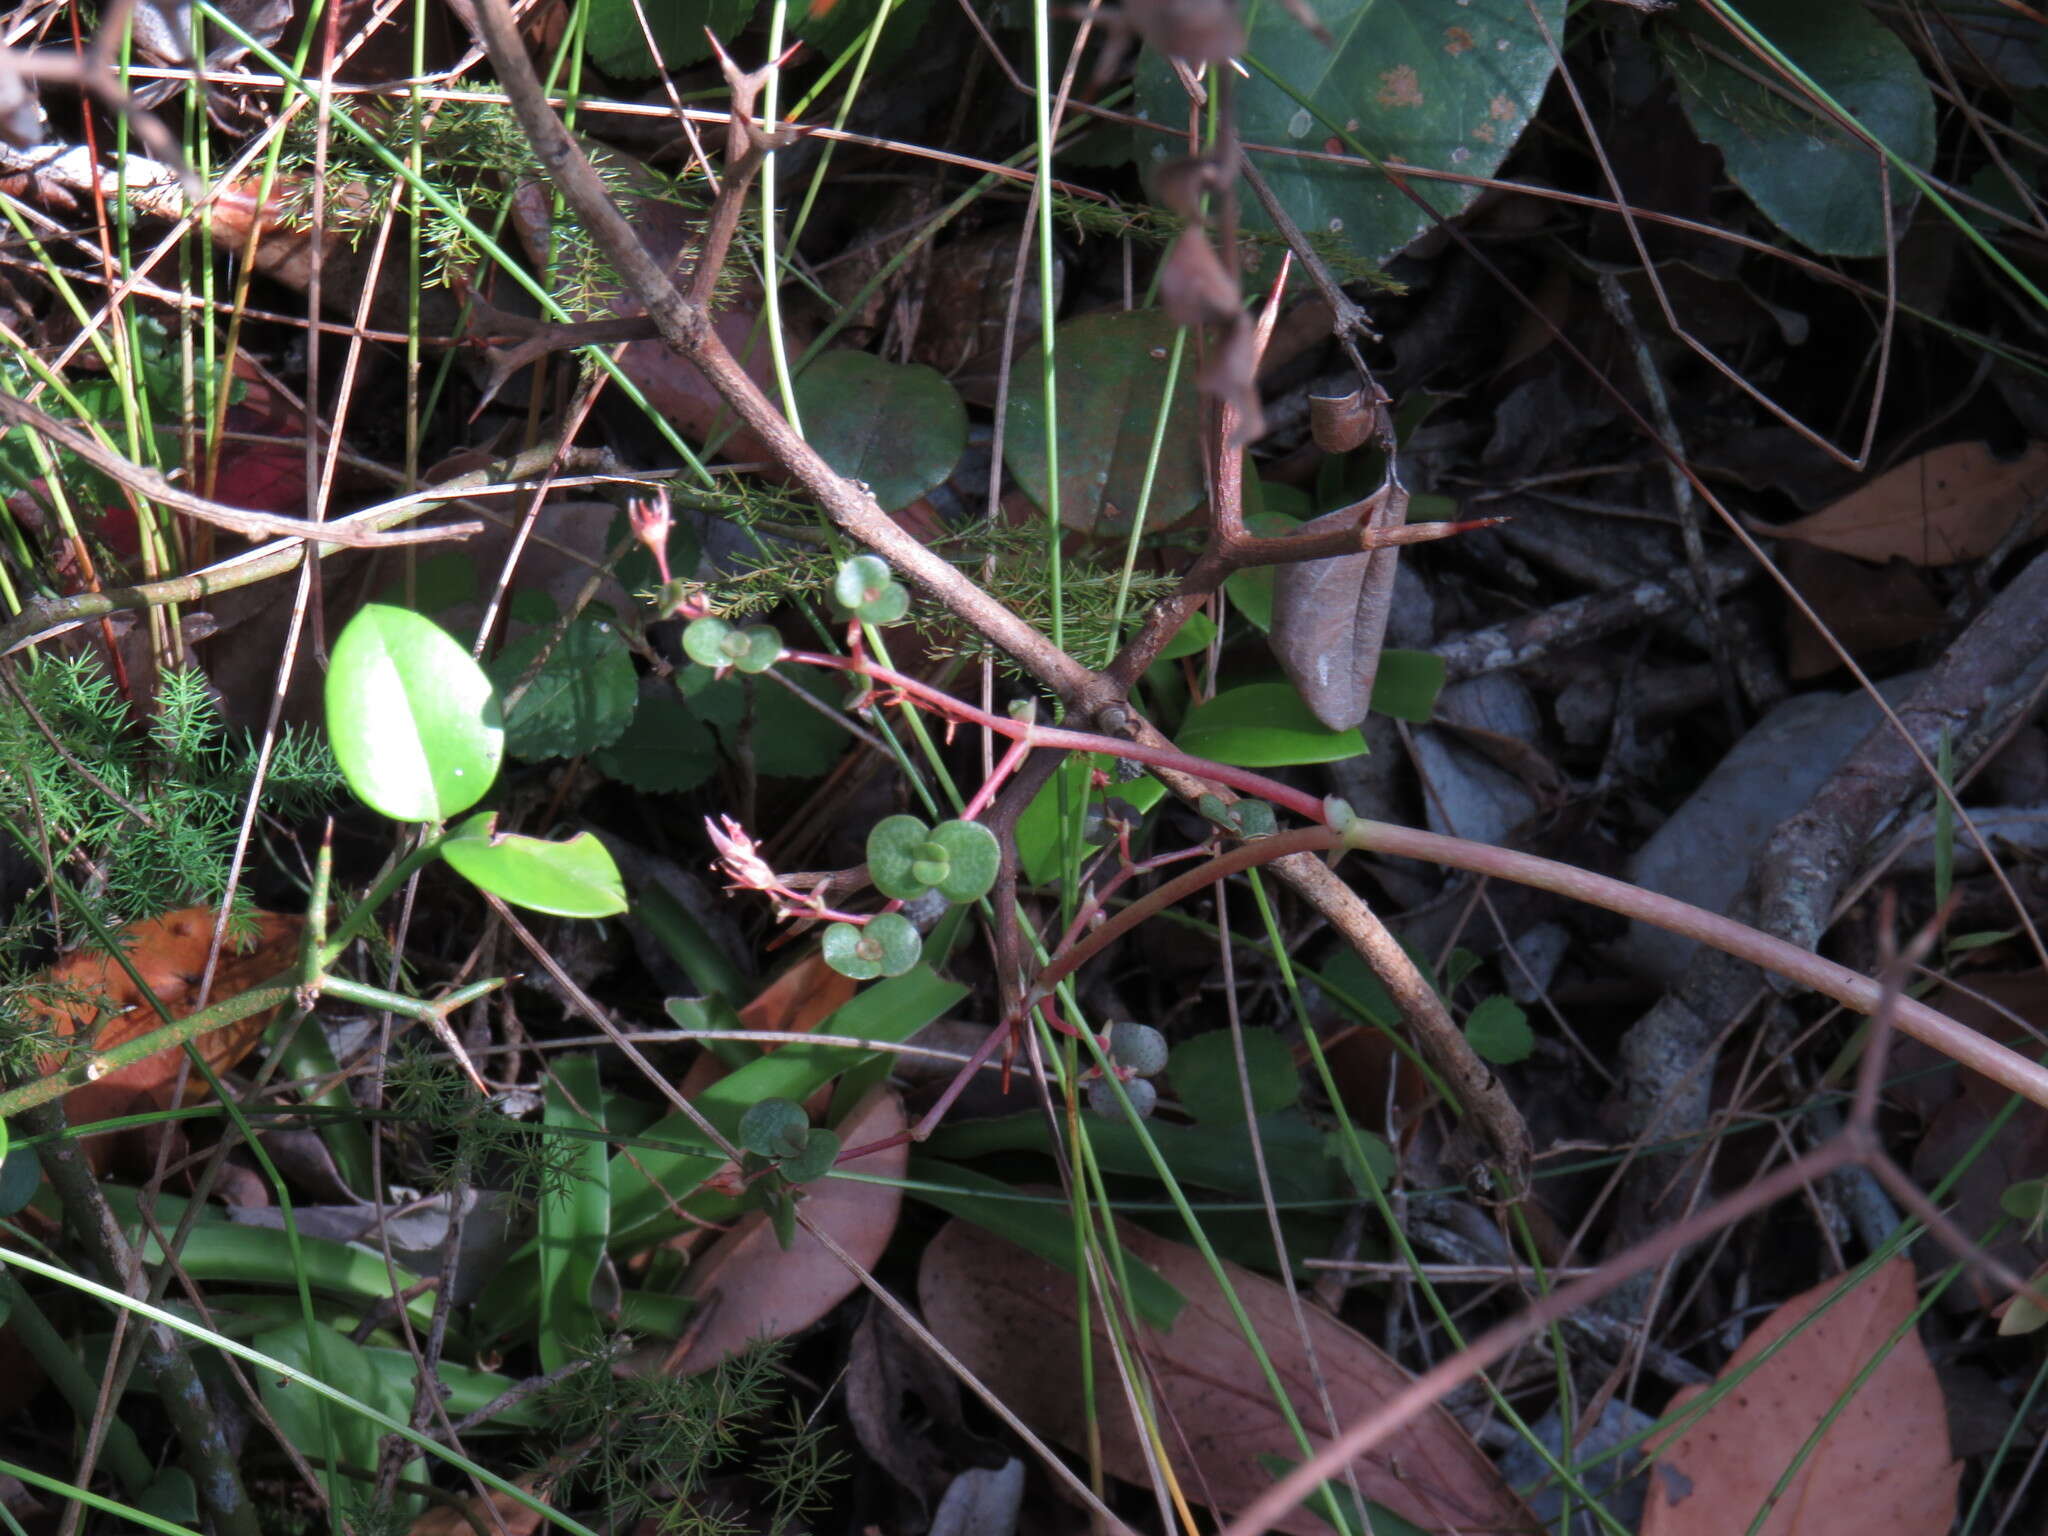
<point x="757" y="1290"/>
<point x="1010" y="1318"/>
<point x="1882" y="1468"/>
<point x="1330" y="616"/>
<point x="1948" y="505"/>
<point x="496" y="1512"/>
<point x="169" y="953"/>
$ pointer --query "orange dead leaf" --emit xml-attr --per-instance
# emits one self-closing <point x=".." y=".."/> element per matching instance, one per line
<point x="1945" y="506"/>
<point x="800" y="999"/>
<point x="494" y="1511"/>
<point x="1881" y="1469"/>
<point x="1009" y="1316"/>
<point x="169" y="953"/>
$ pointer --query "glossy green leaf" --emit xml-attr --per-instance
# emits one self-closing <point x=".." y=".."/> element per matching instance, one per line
<point x="576" y="878"/>
<point x="1205" y="1076"/>
<point x="1263" y="725"/>
<point x="1112" y="377"/>
<point x="1407" y="684"/>
<point x="574" y="1219"/>
<point x="861" y="580"/>
<point x="1193" y="639"/>
<point x="666" y="750"/>
<point x="1810" y="178"/>
<point x="898" y="428"/>
<point x="761" y="648"/>
<point x="1412" y="80"/>
<point x="1499" y="1031"/>
<point x="888" y="944"/>
<point x="582" y="698"/>
<point x="412" y="718"/>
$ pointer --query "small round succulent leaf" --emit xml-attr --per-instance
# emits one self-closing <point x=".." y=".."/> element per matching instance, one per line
<point x="887" y="606"/>
<point x="897" y="944"/>
<point x="763" y="649"/>
<point x="704" y="642"/>
<point x="842" y="948"/>
<point x="1138" y="1047"/>
<point x="892" y="856"/>
<point x="861" y="580"/>
<point x="974" y="856"/>
<point x="820" y="1151"/>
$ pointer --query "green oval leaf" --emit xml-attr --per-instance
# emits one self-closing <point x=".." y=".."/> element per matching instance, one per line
<point x="1112" y="378"/>
<point x="576" y="878"/>
<point x="582" y="698"/>
<point x="1808" y="177"/>
<point x="774" y="1128"/>
<point x="898" y="428"/>
<point x="814" y="1160"/>
<point x="1411" y="80"/>
<point x="1263" y="725"/>
<point x="1499" y="1031"/>
<point x="412" y="718"/>
<point x="888" y="945"/>
<point x="1204" y="1072"/>
<point x="762" y="649"/>
<point x="861" y="580"/>
<point x="704" y="642"/>
<point x="893" y="844"/>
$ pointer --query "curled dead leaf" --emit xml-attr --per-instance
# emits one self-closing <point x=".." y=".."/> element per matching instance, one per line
<point x="1330" y="616"/>
<point x="1010" y="1318"/>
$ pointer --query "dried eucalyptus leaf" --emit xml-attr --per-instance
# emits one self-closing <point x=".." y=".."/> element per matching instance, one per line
<point x="1330" y="616"/>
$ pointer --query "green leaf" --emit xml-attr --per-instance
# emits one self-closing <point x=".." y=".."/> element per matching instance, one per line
<point x="614" y="39"/>
<point x="886" y="945"/>
<point x="1807" y="176"/>
<point x="1193" y="639"/>
<point x="1251" y="590"/>
<point x="574" y="1220"/>
<point x="893" y="844"/>
<point x="581" y="700"/>
<point x="762" y="649"/>
<point x="898" y="428"/>
<point x="1112" y="377"/>
<point x="788" y="738"/>
<point x="820" y="1151"/>
<point x="413" y="721"/>
<point x="1407" y="684"/>
<point x="1040" y="836"/>
<point x="1409" y="80"/>
<point x="304" y="1419"/>
<point x="861" y="580"/>
<point x="649" y="1181"/>
<point x="972" y="857"/>
<point x="576" y="878"/>
<point x="666" y="750"/>
<point x="1204" y="1073"/>
<point x="774" y="1128"/>
<point x="704" y="642"/>
<point x="1499" y="1031"/>
<point x="441" y="580"/>
<point x="20" y="1176"/>
<point x="1263" y="725"/>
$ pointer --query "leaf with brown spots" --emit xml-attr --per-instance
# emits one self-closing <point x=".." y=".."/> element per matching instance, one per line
<point x="1881" y="1468"/>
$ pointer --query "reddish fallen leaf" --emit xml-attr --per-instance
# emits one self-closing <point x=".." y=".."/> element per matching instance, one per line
<point x="801" y="998"/>
<point x="169" y="953"/>
<point x="1943" y="507"/>
<point x="757" y="1290"/>
<point x="1882" y="1468"/>
<point x="497" y="1512"/>
<point x="1010" y="1319"/>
